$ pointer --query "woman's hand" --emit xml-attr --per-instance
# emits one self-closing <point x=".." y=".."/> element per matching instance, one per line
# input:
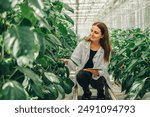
<point x="93" y="71"/>
<point x="64" y="60"/>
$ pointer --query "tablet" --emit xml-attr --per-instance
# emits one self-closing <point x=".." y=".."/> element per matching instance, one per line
<point x="94" y="68"/>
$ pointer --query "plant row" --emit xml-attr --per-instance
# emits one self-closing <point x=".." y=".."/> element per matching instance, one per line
<point x="34" y="35"/>
<point x="130" y="61"/>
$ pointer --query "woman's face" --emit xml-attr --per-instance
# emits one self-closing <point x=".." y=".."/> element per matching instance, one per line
<point x="95" y="34"/>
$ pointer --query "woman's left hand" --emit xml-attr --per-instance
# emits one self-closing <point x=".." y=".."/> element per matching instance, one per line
<point x="93" y="71"/>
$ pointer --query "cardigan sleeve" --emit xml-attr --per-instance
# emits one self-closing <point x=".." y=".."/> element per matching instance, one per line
<point x="104" y="69"/>
<point x="76" y="57"/>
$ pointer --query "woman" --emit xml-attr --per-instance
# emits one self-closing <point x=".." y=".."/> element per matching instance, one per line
<point x="92" y="58"/>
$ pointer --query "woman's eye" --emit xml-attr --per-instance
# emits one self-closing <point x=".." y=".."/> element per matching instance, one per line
<point x="96" y="32"/>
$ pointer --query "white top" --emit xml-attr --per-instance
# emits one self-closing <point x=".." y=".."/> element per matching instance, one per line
<point x="81" y="55"/>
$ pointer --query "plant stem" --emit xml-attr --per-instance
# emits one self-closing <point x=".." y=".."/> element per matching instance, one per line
<point x="2" y="52"/>
<point x="13" y="73"/>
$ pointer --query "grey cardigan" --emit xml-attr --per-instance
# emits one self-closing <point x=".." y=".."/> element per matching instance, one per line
<point x="81" y="55"/>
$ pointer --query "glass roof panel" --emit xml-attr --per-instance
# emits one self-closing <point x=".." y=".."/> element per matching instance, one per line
<point x="85" y="11"/>
<point x="115" y="13"/>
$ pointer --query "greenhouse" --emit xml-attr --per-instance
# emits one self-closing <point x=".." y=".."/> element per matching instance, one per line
<point x="39" y="40"/>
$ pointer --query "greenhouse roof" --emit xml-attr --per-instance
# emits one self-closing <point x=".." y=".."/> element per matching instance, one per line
<point x="115" y="13"/>
<point x="86" y="10"/>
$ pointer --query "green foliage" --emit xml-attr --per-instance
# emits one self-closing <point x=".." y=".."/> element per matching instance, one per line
<point x="13" y="90"/>
<point x="130" y="60"/>
<point x="33" y="36"/>
<point x="16" y="40"/>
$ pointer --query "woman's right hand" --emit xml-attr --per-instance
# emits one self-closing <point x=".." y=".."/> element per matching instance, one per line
<point x="64" y="60"/>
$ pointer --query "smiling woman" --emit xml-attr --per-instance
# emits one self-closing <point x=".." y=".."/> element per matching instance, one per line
<point x="92" y="58"/>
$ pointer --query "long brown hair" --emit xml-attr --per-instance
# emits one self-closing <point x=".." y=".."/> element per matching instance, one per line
<point x="104" y="42"/>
